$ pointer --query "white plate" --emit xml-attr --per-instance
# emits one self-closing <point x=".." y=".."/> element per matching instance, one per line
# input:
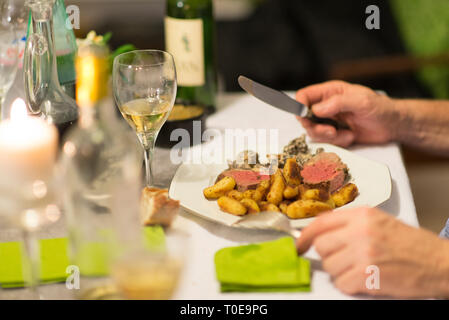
<point x="372" y="179"/>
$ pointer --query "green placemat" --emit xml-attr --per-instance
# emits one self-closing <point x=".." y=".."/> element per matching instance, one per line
<point x="272" y="266"/>
<point x="55" y="259"/>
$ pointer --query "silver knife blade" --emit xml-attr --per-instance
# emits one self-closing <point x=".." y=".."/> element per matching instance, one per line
<point x="273" y="97"/>
<point x="280" y="100"/>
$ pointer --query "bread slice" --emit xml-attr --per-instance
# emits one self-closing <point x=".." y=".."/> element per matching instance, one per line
<point x="157" y="208"/>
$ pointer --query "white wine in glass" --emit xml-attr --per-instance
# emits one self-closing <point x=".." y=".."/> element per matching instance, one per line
<point x="144" y="85"/>
<point x="147" y="278"/>
<point x="154" y="271"/>
<point x="146" y="117"/>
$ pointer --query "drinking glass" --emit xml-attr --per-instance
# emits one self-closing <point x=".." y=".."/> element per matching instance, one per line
<point x="144" y="85"/>
<point x="16" y="14"/>
<point x="9" y="57"/>
<point x="29" y="207"/>
<point x="153" y="272"/>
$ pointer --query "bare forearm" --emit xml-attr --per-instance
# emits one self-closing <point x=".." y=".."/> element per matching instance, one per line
<point x="423" y="124"/>
<point x="441" y="275"/>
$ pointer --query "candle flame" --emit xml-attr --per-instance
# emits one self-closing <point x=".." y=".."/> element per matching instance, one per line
<point x="18" y="110"/>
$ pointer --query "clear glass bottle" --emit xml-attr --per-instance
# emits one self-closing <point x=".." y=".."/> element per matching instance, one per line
<point x="100" y="168"/>
<point x="45" y="96"/>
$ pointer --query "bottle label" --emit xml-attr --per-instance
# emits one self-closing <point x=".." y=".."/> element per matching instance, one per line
<point x="184" y="40"/>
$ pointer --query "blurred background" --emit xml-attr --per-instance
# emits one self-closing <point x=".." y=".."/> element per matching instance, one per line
<point x="288" y="44"/>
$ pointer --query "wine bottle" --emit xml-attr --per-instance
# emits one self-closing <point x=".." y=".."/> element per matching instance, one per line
<point x="189" y="37"/>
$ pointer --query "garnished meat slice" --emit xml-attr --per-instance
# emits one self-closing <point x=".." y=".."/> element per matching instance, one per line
<point x="325" y="170"/>
<point x="245" y="179"/>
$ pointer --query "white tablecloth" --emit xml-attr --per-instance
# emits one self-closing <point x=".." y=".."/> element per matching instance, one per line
<point x="199" y="281"/>
<point x="244" y="112"/>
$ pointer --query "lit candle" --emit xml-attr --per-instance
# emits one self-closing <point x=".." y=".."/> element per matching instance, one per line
<point x="28" y="145"/>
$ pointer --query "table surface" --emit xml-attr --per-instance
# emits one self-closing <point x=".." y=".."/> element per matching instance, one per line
<point x="198" y="281"/>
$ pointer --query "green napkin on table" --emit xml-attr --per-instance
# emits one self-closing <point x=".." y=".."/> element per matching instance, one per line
<point x="272" y="266"/>
<point x="154" y="238"/>
<point x="55" y="259"/>
<point x="92" y="257"/>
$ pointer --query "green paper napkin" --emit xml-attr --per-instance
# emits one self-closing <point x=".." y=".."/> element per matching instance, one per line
<point x="93" y="257"/>
<point x="55" y="259"/>
<point x="11" y="272"/>
<point x="272" y="266"/>
<point x="154" y="237"/>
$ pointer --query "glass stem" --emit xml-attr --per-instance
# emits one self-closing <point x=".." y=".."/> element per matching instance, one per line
<point x="148" y="153"/>
<point x="32" y="266"/>
<point x="2" y="100"/>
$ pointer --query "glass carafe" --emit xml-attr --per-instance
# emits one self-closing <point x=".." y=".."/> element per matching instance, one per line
<point x="44" y="94"/>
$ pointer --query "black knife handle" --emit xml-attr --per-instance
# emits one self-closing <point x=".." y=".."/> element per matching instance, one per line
<point x="336" y="124"/>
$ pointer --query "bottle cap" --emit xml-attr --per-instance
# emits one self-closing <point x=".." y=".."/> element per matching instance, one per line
<point x="92" y="70"/>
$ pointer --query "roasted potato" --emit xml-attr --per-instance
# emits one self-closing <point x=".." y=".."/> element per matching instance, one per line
<point x="261" y="190"/>
<point x="345" y="194"/>
<point x="266" y="206"/>
<point x="277" y="189"/>
<point x="262" y="205"/>
<point x="231" y="206"/>
<point x="318" y="195"/>
<point x="234" y="194"/>
<point x="291" y="172"/>
<point x="284" y="205"/>
<point x="258" y="195"/>
<point x="291" y="192"/>
<point x="330" y="202"/>
<point x="315" y="194"/>
<point x="265" y="185"/>
<point x="220" y="188"/>
<point x="306" y="208"/>
<point x="251" y="205"/>
<point x="249" y="194"/>
<point x="272" y="207"/>
<point x="301" y="191"/>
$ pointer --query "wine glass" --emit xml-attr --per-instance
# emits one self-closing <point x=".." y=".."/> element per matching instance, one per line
<point x="29" y="206"/>
<point x="9" y="57"/>
<point x="144" y="85"/>
<point x="15" y="13"/>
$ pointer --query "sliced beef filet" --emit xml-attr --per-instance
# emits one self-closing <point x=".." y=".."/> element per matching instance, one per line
<point x="245" y="179"/>
<point x="325" y="170"/>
